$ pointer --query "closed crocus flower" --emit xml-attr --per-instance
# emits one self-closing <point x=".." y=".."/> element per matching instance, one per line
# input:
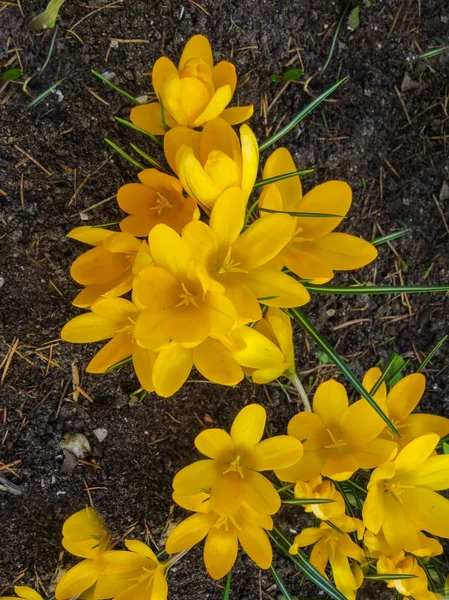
<point x="85" y="534"/>
<point x="402" y="495"/>
<point x="114" y="319"/>
<point x="339" y="438"/>
<point x="223" y="534"/>
<point x="213" y="160"/>
<point x="376" y="545"/>
<point x="156" y="199"/>
<point x="232" y="472"/>
<point x="315" y="250"/>
<point x="415" y="587"/>
<point x="108" y="269"/>
<point x="23" y="592"/>
<point x="192" y="94"/>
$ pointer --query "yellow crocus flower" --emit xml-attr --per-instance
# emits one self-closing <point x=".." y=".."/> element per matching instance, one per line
<point x="416" y="587"/>
<point x="376" y="545"/>
<point x="192" y="94"/>
<point x="315" y="250"/>
<point x="213" y="160"/>
<point x="23" y="592"/>
<point x="402" y="495"/>
<point x="85" y="534"/>
<point x="232" y="471"/>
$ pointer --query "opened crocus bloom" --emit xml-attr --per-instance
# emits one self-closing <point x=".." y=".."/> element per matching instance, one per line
<point x="232" y="473"/>
<point x="334" y="447"/>
<point x="108" y="269"/>
<point x="23" y="592"/>
<point x="213" y="160"/>
<point x="156" y="199"/>
<point x="223" y="534"/>
<point x="315" y="250"/>
<point x="85" y="534"/>
<point x="402" y="495"/>
<point x="416" y="587"/>
<point x="238" y="261"/>
<point x="112" y="318"/>
<point x="192" y="94"/>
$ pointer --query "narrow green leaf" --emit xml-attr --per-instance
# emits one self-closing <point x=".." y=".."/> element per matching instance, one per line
<point x="155" y="163"/>
<point x="41" y="97"/>
<point x="116" y="88"/>
<point x="304" y="322"/>
<point x="50" y="50"/>
<point x="300" y="116"/>
<point x="375" y="289"/>
<point x="308" y="501"/>
<point x="431" y="354"/>
<point x="445" y="447"/>
<point x="334" y="37"/>
<point x="47" y="18"/>
<point x="140" y="130"/>
<point x="263" y="298"/>
<point x="391" y="372"/>
<point x="300" y="214"/>
<point x="433" y="53"/>
<point x="227" y="589"/>
<point x="390" y="237"/>
<point x="269" y="180"/>
<point x="281" y="585"/>
<point x="11" y="74"/>
<point x="390" y="577"/>
<point x="124" y="154"/>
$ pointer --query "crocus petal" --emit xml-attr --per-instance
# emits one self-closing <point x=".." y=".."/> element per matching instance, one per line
<point x="248" y="514"/>
<point x="136" y="591"/>
<point x="163" y="68"/>
<point x="216" y="363"/>
<point x="248" y="427"/>
<point x="175" y="261"/>
<point x="216" y="444"/>
<point x="433" y="474"/>
<point x="171" y="369"/>
<point x="90" y="294"/>
<point x="141" y="548"/>
<point x="189" y="532"/>
<point x="222" y="170"/>
<point x="369" y="423"/>
<point x="85" y="523"/>
<point x="148" y="117"/>
<point x="385" y="471"/>
<point x="339" y="467"/>
<point x="202" y="243"/>
<point x="193" y="502"/>
<point x="306" y="266"/>
<point x="160" y="585"/>
<point x="259" y="352"/>
<point x="416" y="453"/>
<point x="374" y="509"/>
<point x="343" y="577"/>
<point x="143" y="363"/>
<point x="245" y="302"/>
<point x="119" y="348"/>
<point x="274" y="288"/>
<point x="90" y="235"/>
<point x="279" y="163"/>
<point x="227" y="218"/>
<point x="227" y="494"/>
<point x="260" y="493"/>
<point x="155" y="288"/>
<point x="250" y="156"/>
<point x="405" y="395"/>
<point x="184" y="99"/>
<point x="310" y="428"/>
<point x="220" y="551"/>
<point x="370" y="379"/>
<point x="282" y="328"/>
<point x="278" y="452"/>
<point x="98" y="265"/>
<point x="397" y="528"/>
<point x="197" y="47"/>
<point x="263" y="376"/>
<point x="198" y="476"/>
<point x="372" y="454"/>
<point x="308" y="536"/>
<point x="152" y="329"/>
<point x="330" y="403"/>
<point x="87" y="328"/>
<point x="26" y="593"/>
<point x="309" y="466"/>
<point x="332" y="197"/>
<point x="216" y="106"/>
<point x="224" y="74"/>
<point x="417" y="425"/>
<point x="192" y="325"/>
<point x="219" y="135"/>
<point x="136" y="199"/>
<point x="115" y="309"/>
<point x="256" y="544"/>
<point x="341" y="251"/>
<point x="177" y="137"/>
<point x="428" y="510"/>
<point x="195" y="180"/>
<point x="237" y="114"/>
<point x="77" y="579"/>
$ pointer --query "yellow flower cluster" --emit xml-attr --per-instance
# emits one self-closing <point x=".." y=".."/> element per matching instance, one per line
<point x="199" y="288"/>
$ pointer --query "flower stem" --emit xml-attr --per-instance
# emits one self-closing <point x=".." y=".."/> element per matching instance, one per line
<point x="301" y="391"/>
<point x="172" y="561"/>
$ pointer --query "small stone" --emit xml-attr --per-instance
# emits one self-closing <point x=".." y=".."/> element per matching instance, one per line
<point x="408" y="83"/>
<point x="330" y="313"/>
<point x="444" y="195"/>
<point x="2" y="282"/>
<point x="84" y="217"/>
<point x="77" y="444"/>
<point x="101" y="434"/>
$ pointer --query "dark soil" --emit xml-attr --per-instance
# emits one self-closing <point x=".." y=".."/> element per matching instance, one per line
<point x="397" y="169"/>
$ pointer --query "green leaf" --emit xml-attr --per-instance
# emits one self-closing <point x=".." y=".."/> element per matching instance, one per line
<point x="116" y="88"/>
<point x="152" y="161"/>
<point x="390" y="237"/>
<point x="300" y="116"/>
<point x="140" y="130"/>
<point x="124" y="154"/>
<point x="445" y="447"/>
<point x="431" y="354"/>
<point x="304" y="322"/>
<point x="433" y="53"/>
<point x="11" y="75"/>
<point x="354" y="18"/>
<point x="227" y="589"/>
<point x="393" y="370"/>
<point x="44" y="94"/>
<point x="47" y="19"/>
<point x="290" y="75"/>
<point x="269" y="180"/>
<point x="281" y="585"/>
<point x="308" y="501"/>
<point x="300" y="214"/>
<point x="375" y="289"/>
<point x="390" y="577"/>
<point x="275" y="78"/>
<point x="322" y="357"/>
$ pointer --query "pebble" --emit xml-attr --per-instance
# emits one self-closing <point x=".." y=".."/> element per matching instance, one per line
<point x="101" y="434"/>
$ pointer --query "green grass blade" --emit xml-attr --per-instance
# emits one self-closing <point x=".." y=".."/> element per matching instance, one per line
<point x="335" y="36"/>
<point x="41" y="97"/>
<point x="433" y="53"/>
<point x="390" y="577"/>
<point x="301" y="561"/>
<point x="50" y="50"/>
<point x="431" y="354"/>
<point x="300" y="214"/>
<point x="300" y="116"/>
<point x="375" y="289"/>
<point x="391" y="371"/>
<point x="227" y="589"/>
<point x="140" y="130"/>
<point x="116" y="88"/>
<point x="308" y="501"/>
<point x="153" y="162"/>
<point x="124" y="154"/>
<point x="263" y="182"/>
<point x="390" y="237"/>
<point x="304" y="322"/>
<point x="281" y="585"/>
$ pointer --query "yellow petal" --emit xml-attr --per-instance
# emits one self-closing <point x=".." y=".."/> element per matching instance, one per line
<point x="115" y="309"/>
<point x="308" y="536"/>
<point x="309" y="466"/>
<point x="405" y="395"/>
<point x="370" y="379"/>
<point x="142" y="259"/>
<point x="216" y="444"/>
<point x="343" y="577"/>
<point x="227" y="494"/>
<point x="222" y="170"/>
<point x="416" y="453"/>
<point x="184" y="99"/>
<point x="171" y="369"/>
<point x="263" y="376"/>
<point x="163" y="68"/>
<point x="385" y="471"/>
<point x="256" y="544"/>
<point x="175" y="261"/>
<point x="141" y="548"/>
<point x="224" y="74"/>
<point x="155" y="288"/>
<point x="237" y="114"/>
<point x="143" y="362"/>
<point x="420" y="424"/>
<point x="220" y="551"/>
<point x="339" y="466"/>
<point x="310" y="427"/>
<point x="432" y="474"/>
<point x="160" y="585"/>
<point x="198" y="476"/>
<point x="369" y="423"/>
<point x="250" y="159"/>
<point x="195" y="180"/>
<point x="341" y="251"/>
<point x="260" y="352"/>
<point x="148" y="117"/>
<point x="398" y="529"/>
<point x="260" y="493"/>
<point x="90" y="294"/>
<point x="27" y="593"/>
<point x="197" y="47"/>
<point x="90" y="235"/>
<point x="219" y="135"/>
<point x="227" y="218"/>
<point x="77" y="579"/>
<point x="274" y="288"/>
<point x="279" y="163"/>
<point x="177" y="137"/>
<point x="136" y="199"/>
<point x="428" y="510"/>
<point x="193" y="502"/>
<point x="216" y="106"/>
<point x="88" y="328"/>
<point x="98" y="265"/>
<point x="332" y="197"/>
<point x="191" y="325"/>
<point x="248" y="427"/>
<point x="245" y="302"/>
<point x="119" y="348"/>
<point x="152" y="329"/>
<point x="281" y="325"/>
<point x="374" y="453"/>
<point x="222" y="314"/>
<point x="278" y="452"/>
<point x="374" y="509"/>
<point x="189" y="532"/>
<point x="306" y="266"/>
<point x="216" y="363"/>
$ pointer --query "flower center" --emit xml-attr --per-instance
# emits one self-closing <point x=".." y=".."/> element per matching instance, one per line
<point x="235" y="466"/>
<point x="128" y="328"/>
<point x="230" y="266"/>
<point x="298" y="238"/>
<point x="186" y="298"/>
<point x="162" y="205"/>
<point x="397" y="489"/>
<point x="223" y="521"/>
<point x="335" y="442"/>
